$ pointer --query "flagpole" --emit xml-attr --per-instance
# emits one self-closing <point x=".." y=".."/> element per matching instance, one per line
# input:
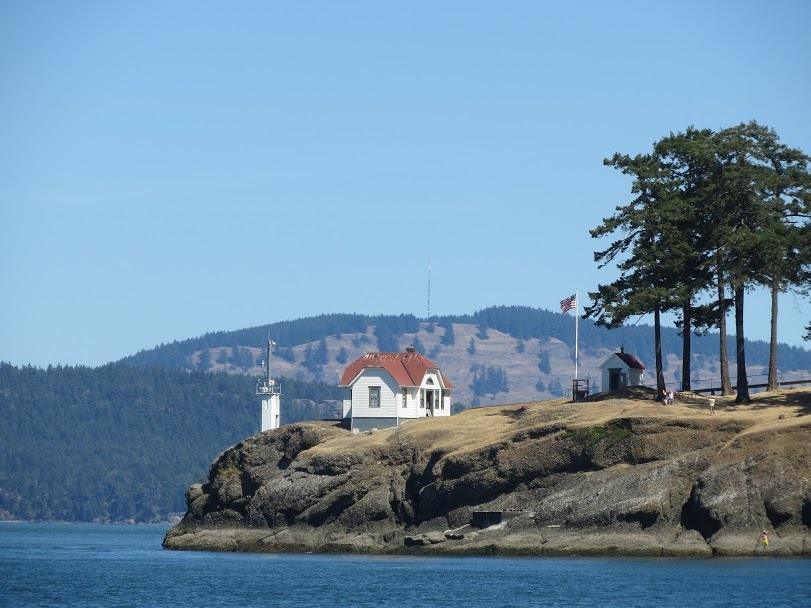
<point x="576" y="327"/>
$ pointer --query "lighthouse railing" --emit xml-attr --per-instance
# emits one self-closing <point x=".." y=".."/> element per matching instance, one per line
<point x="268" y="387"/>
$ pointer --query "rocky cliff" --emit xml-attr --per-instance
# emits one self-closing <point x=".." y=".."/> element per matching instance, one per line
<point x="618" y="474"/>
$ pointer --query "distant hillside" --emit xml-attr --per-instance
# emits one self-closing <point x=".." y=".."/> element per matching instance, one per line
<point x="118" y="443"/>
<point x="496" y="355"/>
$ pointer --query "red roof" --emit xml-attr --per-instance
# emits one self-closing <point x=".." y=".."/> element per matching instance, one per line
<point x="407" y="369"/>
<point x="630" y="361"/>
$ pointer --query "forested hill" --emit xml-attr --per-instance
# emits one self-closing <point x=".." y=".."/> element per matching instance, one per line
<point x="530" y="359"/>
<point x="119" y="443"/>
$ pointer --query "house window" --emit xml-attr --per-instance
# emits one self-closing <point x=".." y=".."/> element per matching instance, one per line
<point x="422" y="398"/>
<point x="405" y="397"/>
<point x="374" y="396"/>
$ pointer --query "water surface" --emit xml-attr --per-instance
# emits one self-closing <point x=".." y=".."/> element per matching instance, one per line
<point x="93" y="565"/>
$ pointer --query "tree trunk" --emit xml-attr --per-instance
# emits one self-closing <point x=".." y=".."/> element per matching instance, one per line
<point x="772" y="382"/>
<point x="687" y="322"/>
<point x="726" y="384"/>
<point x="657" y="335"/>
<point x="743" y="382"/>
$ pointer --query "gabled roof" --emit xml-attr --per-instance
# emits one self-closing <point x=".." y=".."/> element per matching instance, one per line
<point x="407" y="369"/>
<point x="629" y="360"/>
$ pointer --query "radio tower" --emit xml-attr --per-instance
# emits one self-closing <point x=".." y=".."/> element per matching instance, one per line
<point x="429" y="289"/>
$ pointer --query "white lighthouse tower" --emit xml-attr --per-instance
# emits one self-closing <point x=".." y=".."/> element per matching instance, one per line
<point x="271" y="394"/>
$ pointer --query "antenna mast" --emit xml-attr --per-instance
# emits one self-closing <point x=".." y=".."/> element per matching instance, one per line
<point x="267" y="376"/>
<point x="429" y="288"/>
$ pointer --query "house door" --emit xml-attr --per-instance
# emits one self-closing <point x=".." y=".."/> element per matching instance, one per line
<point x="429" y="403"/>
<point x="614" y="378"/>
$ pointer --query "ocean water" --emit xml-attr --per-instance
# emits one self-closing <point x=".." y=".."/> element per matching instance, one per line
<point x="91" y="565"/>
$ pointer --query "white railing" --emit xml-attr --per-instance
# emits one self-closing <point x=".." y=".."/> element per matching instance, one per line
<point x="264" y="387"/>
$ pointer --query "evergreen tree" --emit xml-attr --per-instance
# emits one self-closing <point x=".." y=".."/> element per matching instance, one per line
<point x="321" y="356"/>
<point x="489" y="380"/>
<point x="205" y="360"/>
<point x="448" y="338"/>
<point x="417" y="345"/>
<point x="644" y="286"/>
<point x="543" y="363"/>
<point x="712" y="209"/>
<point x="286" y="353"/>
<point x="761" y="185"/>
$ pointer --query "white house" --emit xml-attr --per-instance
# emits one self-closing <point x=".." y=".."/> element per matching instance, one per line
<point x="381" y="390"/>
<point x="620" y="370"/>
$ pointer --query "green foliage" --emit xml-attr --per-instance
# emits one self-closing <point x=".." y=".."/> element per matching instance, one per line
<point x="417" y="345"/>
<point x="448" y="338"/>
<point x="591" y="436"/>
<point x="342" y="356"/>
<point x="489" y="380"/>
<point x="285" y="353"/>
<point x="711" y="210"/>
<point x="543" y="363"/>
<point x="119" y="443"/>
<point x="205" y="360"/>
<point x="481" y="334"/>
<point x="388" y="333"/>
<point x="555" y="388"/>
<point x="316" y="358"/>
<point x="471" y="349"/>
<point x="241" y="358"/>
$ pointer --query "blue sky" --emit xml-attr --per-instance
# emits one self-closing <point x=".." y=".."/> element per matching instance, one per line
<point x="173" y="168"/>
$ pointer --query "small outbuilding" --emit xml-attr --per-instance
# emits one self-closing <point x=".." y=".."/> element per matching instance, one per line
<point x="621" y="370"/>
<point x="381" y="390"/>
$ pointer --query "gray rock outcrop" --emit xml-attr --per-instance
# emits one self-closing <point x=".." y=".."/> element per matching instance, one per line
<point x="616" y="477"/>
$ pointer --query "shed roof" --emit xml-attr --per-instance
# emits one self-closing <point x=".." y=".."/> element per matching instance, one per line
<point x="407" y="369"/>
<point x="630" y="361"/>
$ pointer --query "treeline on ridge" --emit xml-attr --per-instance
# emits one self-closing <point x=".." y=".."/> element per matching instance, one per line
<point x="520" y="322"/>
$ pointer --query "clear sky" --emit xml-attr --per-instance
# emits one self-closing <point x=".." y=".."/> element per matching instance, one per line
<point x="173" y="168"/>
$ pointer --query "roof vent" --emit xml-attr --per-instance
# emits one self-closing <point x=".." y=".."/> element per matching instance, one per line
<point x="409" y="349"/>
<point x="622" y="350"/>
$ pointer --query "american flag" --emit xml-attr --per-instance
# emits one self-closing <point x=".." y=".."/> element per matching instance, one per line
<point x="568" y="304"/>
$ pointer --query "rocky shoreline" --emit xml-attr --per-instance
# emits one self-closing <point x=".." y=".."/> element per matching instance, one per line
<point x="615" y="475"/>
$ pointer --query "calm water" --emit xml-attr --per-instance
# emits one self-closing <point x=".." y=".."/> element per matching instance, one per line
<point x="87" y="565"/>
